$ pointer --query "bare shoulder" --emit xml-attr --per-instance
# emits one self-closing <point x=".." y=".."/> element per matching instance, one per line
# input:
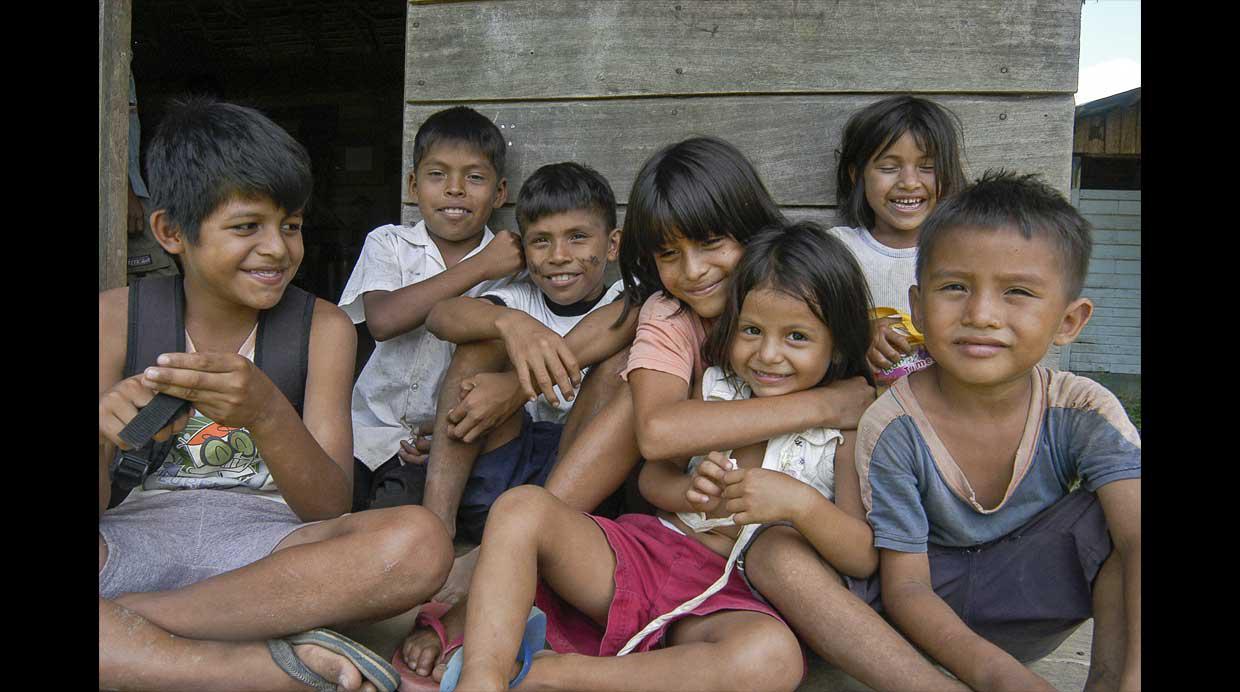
<point x="332" y="326"/>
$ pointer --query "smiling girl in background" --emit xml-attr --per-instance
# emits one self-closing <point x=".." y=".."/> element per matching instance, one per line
<point x="897" y="158"/>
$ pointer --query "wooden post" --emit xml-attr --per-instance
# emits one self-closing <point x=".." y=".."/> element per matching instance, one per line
<point x="114" y="55"/>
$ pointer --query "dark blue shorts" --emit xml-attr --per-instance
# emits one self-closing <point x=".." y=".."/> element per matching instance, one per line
<point x="1028" y="591"/>
<point x="526" y="460"/>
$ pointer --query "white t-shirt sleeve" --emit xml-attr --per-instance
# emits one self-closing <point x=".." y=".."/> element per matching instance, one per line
<point x="377" y="269"/>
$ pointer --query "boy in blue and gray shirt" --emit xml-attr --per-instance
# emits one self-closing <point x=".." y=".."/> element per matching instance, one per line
<point x="989" y="554"/>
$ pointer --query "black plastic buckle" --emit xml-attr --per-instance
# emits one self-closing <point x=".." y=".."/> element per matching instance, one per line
<point x="131" y="470"/>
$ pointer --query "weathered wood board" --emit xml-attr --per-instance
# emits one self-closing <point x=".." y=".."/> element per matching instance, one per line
<point x="531" y="49"/>
<point x="506" y="216"/>
<point x="1115" y="132"/>
<point x="790" y="139"/>
<point x="114" y="55"/>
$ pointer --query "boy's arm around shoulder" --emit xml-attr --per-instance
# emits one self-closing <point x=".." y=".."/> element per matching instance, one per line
<point x="462" y="319"/>
<point x="597" y="337"/>
<point x="392" y="313"/>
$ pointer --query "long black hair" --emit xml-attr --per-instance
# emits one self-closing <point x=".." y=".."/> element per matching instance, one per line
<point x="700" y="188"/>
<point x="872" y="130"/>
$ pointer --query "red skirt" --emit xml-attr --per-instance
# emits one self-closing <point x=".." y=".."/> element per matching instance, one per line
<point x="657" y="569"/>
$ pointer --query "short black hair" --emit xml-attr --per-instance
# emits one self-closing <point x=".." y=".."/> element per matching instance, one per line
<point x="567" y="186"/>
<point x="205" y="152"/>
<point x="804" y="261"/>
<point x="461" y="125"/>
<point x="873" y="129"/>
<point x="701" y="188"/>
<point x="1004" y="200"/>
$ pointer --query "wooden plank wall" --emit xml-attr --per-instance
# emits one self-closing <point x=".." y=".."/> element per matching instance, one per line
<point x="1116" y="132"/>
<point x="1111" y="342"/>
<point x="608" y="82"/>
<point x="114" y="55"/>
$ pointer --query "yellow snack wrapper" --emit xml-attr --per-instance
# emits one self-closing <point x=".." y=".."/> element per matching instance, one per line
<point x="911" y="362"/>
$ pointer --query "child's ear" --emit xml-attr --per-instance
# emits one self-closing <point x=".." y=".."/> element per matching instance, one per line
<point x="1075" y="316"/>
<point x="613" y="244"/>
<point x="411" y="186"/>
<point x="167" y="233"/>
<point x="501" y="193"/>
<point x="914" y="304"/>
<point x="852" y="174"/>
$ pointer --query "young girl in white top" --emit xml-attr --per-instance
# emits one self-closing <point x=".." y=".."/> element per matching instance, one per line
<point x="666" y="588"/>
<point x="897" y="158"/>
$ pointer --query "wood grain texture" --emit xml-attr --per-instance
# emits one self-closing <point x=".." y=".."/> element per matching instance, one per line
<point x="114" y="56"/>
<point x="790" y="139"/>
<point x="506" y="216"/>
<point x="527" y="49"/>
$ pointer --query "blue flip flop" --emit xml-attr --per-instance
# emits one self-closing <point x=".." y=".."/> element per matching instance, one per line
<point x="368" y="663"/>
<point x="532" y="641"/>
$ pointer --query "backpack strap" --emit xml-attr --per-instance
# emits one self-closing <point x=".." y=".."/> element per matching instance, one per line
<point x="282" y="345"/>
<point x="151" y="302"/>
<point x="281" y="351"/>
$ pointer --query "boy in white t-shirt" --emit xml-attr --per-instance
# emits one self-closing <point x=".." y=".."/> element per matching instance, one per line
<point x="567" y="216"/>
<point x="457" y="181"/>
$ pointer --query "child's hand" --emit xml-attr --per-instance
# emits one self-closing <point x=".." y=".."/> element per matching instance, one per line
<point x="540" y="357"/>
<point x="888" y="345"/>
<point x="120" y="404"/>
<point x="417" y="449"/>
<point x="487" y="399"/>
<point x="844" y="401"/>
<point x="226" y="387"/>
<point x="705" y="490"/>
<point x="760" y="496"/>
<point x="503" y="256"/>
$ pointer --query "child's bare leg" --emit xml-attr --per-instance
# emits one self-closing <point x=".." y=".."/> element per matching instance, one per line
<point x="135" y="654"/>
<point x="598" y="447"/>
<point x="451" y="460"/>
<point x="1106" y="660"/>
<point x="731" y="650"/>
<point x="530" y="534"/>
<point x="356" y="568"/>
<point x="836" y="624"/>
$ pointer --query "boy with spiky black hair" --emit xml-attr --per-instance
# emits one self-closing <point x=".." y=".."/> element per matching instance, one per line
<point x="219" y="570"/>
<point x="990" y="555"/>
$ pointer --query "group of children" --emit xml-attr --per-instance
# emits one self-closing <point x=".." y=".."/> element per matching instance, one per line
<point x="975" y="513"/>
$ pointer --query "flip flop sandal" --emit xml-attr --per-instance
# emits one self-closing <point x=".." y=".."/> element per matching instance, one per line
<point x="378" y="671"/>
<point x="533" y="641"/>
<point x="429" y="615"/>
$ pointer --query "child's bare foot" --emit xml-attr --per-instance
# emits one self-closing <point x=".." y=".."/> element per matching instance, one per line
<point x="333" y="666"/>
<point x="422" y="651"/>
<point x="459" y="577"/>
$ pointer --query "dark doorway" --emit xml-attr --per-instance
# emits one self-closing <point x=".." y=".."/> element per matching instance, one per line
<point x="331" y="73"/>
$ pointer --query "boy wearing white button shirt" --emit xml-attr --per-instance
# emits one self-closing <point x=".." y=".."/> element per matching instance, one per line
<point x="402" y="272"/>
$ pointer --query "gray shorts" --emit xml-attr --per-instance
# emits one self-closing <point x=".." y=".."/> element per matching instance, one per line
<point x="177" y="538"/>
<point x="1028" y="591"/>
